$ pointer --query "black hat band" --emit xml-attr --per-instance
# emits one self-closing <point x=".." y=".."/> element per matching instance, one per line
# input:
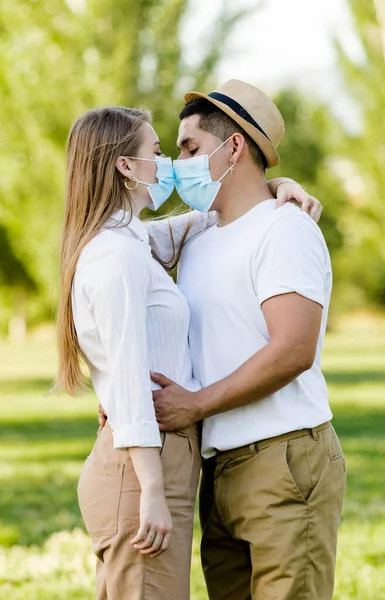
<point x="237" y="108"/>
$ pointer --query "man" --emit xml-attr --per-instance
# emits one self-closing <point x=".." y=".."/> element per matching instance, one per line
<point x="258" y="286"/>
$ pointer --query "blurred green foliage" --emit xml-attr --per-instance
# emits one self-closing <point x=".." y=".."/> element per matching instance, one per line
<point x="60" y="58"/>
<point x="306" y="151"/>
<point x="364" y="226"/>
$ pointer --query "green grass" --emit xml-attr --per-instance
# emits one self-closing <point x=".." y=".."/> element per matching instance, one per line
<point x="44" y="552"/>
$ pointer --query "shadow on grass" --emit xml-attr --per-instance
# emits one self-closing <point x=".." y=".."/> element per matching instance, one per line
<point x="39" y="429"/>
<point x="358" y="421"/>
<point x="34" y="507"/>
<point x="43" y="385"/>
<point x="354" y="377"/>
<point x="38" y="495"/>
<point x="26" y="385"/>
<point x="361" y="431"/>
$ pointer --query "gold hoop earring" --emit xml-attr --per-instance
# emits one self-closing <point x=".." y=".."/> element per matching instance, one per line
<point x="131" y="188"/>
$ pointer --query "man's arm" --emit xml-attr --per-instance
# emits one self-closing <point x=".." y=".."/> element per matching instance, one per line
<point x="293" y="323"/>
<point x="289" y="277"/>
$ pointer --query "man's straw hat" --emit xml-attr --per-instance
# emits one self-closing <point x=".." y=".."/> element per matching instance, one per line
<point x="252" y="110"/>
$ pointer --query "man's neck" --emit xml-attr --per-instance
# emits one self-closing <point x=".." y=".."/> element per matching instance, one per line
<point x="242" y="193"/>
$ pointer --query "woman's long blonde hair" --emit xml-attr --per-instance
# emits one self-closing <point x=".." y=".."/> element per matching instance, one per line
<point x="95" y="189"/>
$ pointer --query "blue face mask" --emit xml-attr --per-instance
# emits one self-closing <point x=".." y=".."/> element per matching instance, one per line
<point x="161" y="191"/>
<point x="194" y="183"/>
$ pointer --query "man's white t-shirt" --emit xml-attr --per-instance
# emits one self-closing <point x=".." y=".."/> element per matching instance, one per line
<point x="226" y="273"/>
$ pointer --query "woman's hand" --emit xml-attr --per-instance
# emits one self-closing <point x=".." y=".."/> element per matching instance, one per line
<point x="155" y="528"/>
<point x="286" y="189"/>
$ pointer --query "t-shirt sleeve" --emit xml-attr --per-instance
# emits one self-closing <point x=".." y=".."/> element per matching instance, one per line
<point x="292" y="258"/>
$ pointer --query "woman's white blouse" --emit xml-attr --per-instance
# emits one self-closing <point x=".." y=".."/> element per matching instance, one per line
<point x="131" y="318"/>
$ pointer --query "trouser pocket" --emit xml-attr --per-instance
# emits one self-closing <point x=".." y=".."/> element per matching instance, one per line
<point x="314" y="466"/>
<point x="298" y="467"/>
<point x="181" y="464"/>
<point x="99" y="493"/>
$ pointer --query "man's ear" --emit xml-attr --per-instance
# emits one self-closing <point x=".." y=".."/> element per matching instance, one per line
<point x="239" y="143"/>
<point x="123" y="166"/>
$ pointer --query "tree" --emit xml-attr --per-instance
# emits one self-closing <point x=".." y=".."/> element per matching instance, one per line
<point x="311" y="138"/>
<point x="365" y="224"/>
<point x="59" y="59"/>
<point x="15" y="278"/>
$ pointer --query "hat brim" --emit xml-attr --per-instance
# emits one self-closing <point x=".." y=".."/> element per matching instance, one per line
<point x="269" y="151"/>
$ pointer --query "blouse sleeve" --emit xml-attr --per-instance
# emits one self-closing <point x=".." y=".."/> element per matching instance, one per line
<point x="119" y="305"/>
<point x="165" y="234"/>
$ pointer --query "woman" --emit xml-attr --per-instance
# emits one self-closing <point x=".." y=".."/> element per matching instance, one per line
<point x="122" y="313"/>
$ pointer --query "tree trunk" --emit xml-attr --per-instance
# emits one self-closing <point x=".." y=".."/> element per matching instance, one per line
<point x="17" y="329"/>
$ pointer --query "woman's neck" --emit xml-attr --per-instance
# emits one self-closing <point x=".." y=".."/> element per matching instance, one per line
<point x="136" y="206"/>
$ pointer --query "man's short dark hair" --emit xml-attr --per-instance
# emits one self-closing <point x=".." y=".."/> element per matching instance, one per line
<point x="215" y="121"/>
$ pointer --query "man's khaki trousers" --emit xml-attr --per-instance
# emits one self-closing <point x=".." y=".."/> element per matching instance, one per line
<point x="270" y="514"/>
<point x="109" y="495"/>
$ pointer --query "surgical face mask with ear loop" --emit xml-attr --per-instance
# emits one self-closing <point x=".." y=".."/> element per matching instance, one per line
<point x="161" y="190"/>
<point x="194" y="183"/>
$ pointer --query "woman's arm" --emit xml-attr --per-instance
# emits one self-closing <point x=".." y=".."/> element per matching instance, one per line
<point x="166" y="234"/>
<point x="118" y="283"/>
<point x="285" y="190"/>
<point x="155" y="528"/>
